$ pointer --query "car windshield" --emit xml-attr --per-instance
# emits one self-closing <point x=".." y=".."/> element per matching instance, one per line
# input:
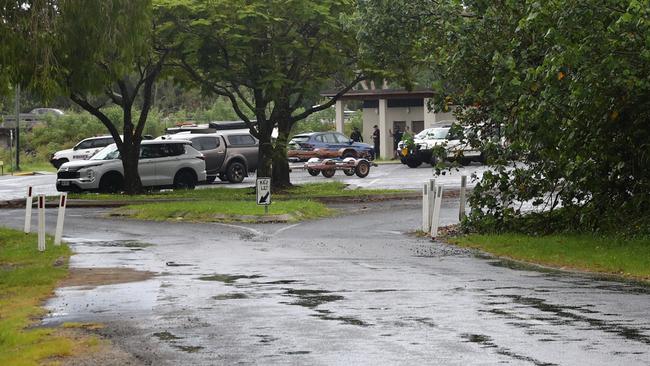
<point x="433" y="134"/>
<point x="110" y="152"/>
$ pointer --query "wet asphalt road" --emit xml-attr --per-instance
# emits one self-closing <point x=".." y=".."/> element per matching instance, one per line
<point x="385" y="176"/>
<point x="350" y="290"/>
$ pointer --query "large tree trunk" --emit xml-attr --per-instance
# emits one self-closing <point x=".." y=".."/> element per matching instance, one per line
<point x="281" y="178"/>
<point x="130" y="156"/>
<point x="265" y="156"/>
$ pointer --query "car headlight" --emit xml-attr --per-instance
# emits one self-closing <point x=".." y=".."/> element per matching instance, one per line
<point x="88" y="174"/>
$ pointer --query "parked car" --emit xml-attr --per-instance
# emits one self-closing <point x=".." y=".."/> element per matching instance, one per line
<point x="450" y="137"/>
<point x="327" y="145"/>
<point x="81" y="151"/>
<point x="162" y="164"/>
<point x="229" y="155"/>
<point x="52" y="111"/>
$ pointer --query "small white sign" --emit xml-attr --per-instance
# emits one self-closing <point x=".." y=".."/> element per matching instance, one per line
<point x="263" y="188"/>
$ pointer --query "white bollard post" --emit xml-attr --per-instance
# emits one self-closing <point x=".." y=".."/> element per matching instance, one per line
<point x="435" y="221"/>
<point x="59" y="220"/>
<point x="432" y="201"/>
<point x="41" y="222"/>
<point x="463" y="198"/>
<point x="425" y="207"/>
<point x="28" y="211"/>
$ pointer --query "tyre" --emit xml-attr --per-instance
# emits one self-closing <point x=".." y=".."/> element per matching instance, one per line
<point x="57" y="163"/>
<point x="111" y="183"/>
<point x="313" y="172"/>
<point x="363" y="169"/>
<point x="184" y="180"/>
<point x="413" y="162"/>
<point x="349" y="172"/>
<point x="210" y="179"/>
<point x="349" y="154"/>
<point x="328" y="173"/>
<point x="236" y="172"/>
<point x="402" y="160"/>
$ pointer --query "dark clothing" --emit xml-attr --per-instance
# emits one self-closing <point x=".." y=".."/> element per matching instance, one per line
<point x="397" y="137"/>
<point x="375" y="140"/>
<point x="356" y="136"/>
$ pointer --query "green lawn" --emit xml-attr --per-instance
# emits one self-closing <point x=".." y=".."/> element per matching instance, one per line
<point x="305" y="191"/>
<point x="27" y="278"/>
<point x="225" y="211"/>
<point x="605" y="254"/>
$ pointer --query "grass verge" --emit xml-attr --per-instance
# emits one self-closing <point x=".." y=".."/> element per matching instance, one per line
<point x="305" y="191"/>
<point x="604" y="254"/>
<point x="27" y="278"/>
<point x="226" y="211"/>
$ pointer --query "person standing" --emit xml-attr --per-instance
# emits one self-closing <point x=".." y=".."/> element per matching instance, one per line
<point x="375" y="140"/>
<point x="397" y="137"/>
<point x="356" y="135"/>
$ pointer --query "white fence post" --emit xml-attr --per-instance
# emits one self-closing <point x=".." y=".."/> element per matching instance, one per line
<point x="436" y="211"/>
<point x="463" y="198"/>
<point x="28" y="211"/>
<point x="41" y="222"/>
<point x="425" y="207"/>
<point x="59" y="220"/>
<point x="432" y="200"/>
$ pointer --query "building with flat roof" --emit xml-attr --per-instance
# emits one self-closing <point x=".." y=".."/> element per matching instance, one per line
<point x="390" y="109"/>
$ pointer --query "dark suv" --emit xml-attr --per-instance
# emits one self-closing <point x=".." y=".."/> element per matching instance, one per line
<point x="327" y="145"/>
<point x="229" y="154"/>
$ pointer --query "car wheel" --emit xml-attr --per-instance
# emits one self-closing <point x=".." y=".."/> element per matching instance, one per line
<point x="210" y="179"/>
<point x="349" y="172"/>
<point x="236" y="172"/>
<point x="328" y="173"/>
<point x="111" y="183"/>
<point x="57" y="163"/>
<point x="413" y="162"/>
<point x="313" y="172"/>
<point x="184" y="180"/>
<point x="402" y="160"/>
<point x="349" y="154"/>
<point x="362" y="169"/>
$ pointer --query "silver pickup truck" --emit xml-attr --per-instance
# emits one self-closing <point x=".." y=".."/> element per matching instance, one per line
<point x="229" y="155"/>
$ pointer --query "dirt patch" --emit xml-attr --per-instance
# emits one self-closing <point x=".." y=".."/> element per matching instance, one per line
<point x="104" y="276"/>
<point x="91" y="349"/>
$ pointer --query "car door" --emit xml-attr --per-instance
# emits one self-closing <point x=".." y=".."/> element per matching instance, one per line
<point x="214" y="151"/>
<point x="168" y="163"/>
<point x="83" y="150"/>
<point x="147" y="164"/>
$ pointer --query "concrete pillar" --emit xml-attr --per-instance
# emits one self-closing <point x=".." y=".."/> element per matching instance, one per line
<point x="386" y="142"/>
<point x="429" y="115"/>
<point x="339" y="116"/>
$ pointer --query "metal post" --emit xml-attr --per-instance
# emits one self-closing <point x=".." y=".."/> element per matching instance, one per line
<point x="463" y="198"/>
<point x="41" y="222"/>
<point x="28" y="211"/>
<point x="59" y="220"/>
<point x="436" y="212"/>
<point x="17" y="127"/>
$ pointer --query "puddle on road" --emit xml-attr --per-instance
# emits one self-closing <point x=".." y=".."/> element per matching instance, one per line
<point x="172" y="339"/>
<point x="328" y="315"/>
<point x="311" y="298"/>
<point x="486" y="342"/>
<point x="265" y="339"/>
<point x="232" y="296"/>
<point x="166" y="336"/>
<point x="297" y="352"/>
<point x="188" y="349"/>
<point x="226" y="278"/>
<point x="563" y="316"/>
<point x="120" y="243"/>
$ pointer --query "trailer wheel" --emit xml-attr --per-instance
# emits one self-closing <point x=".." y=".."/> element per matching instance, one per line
<point x="362" y="169"/>
<point x="312" y="172"/>
<point x="328" y="173"/>
<point x="349" y="172"/>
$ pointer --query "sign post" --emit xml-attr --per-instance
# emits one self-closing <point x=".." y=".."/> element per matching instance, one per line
<point x="28" y="210"/>
<point x="263" y="189"/>
<point x="59" y="220"/>
<point x="41" y="222"/>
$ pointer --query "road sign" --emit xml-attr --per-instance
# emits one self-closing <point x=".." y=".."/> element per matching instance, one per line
<point x="263" y="188"/>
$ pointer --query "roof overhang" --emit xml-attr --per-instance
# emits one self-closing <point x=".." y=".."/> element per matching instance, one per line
<point x="382" y="94"/>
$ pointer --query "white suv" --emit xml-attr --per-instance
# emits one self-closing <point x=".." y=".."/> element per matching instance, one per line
<point x="81" y="151"/>
<point x="451" y="139"/>
<point x="163" y="164"/>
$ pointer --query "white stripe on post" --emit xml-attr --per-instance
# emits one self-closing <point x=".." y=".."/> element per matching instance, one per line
<point x="436" y="212"/>
<point x="28" y="211"/>
<point x="425" y="207"/>
<point x="59" y="220"/>
<point x="41" y="222"/>
<point x="463" y="198"/>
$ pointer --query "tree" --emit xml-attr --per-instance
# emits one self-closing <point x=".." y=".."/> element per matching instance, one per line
<point x="269" y="58"/>
<point x="560" y="82"/>
<point x="106" y="53"/>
